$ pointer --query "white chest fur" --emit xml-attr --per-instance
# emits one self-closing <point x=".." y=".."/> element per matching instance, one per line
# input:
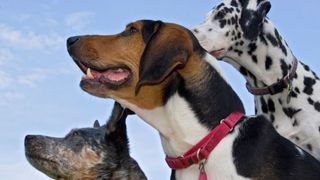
<point x="180" y="130"/>
<point x="220" y="164"/>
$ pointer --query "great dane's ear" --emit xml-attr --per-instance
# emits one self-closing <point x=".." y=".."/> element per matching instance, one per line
<point x="168" y="49"/>
<point x="96" y="124"/>
<point x="263" y="8"/>
<point x="251" y="21"/>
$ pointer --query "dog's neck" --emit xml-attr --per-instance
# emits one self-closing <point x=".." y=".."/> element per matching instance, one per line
<point x="198" y="98"/>
<point x="268" y="59"/>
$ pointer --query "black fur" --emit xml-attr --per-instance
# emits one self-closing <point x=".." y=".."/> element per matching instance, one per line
<point x="149" y="29"/>
<point x="261" y="153"/>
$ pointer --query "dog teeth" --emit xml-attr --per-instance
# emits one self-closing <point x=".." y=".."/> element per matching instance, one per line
<point x="89" y="74"/>
<point x="120" y="70"/>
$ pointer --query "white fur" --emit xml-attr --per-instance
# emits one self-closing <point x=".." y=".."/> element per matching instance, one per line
<point x="308" y="126"/>
<point x="214" y="63"/>
<point x="220" y="164"/>
<point x="178" y="127"/>
<point x="179" y="130"/>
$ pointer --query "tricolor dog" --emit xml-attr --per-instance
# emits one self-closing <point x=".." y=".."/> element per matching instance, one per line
<point x="287" y="91"/>
<point x="87" y="153"/>
<point x="159" y="71"/>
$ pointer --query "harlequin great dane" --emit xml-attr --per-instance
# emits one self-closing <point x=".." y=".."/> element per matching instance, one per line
<point x="287" y="91"/>
<point x="160" y="71"/>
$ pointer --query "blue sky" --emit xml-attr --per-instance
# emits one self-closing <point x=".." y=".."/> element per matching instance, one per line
<point x="39" y="83"/>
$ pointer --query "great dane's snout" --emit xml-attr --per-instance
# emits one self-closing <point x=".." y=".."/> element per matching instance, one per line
<point x="72" y="40"/>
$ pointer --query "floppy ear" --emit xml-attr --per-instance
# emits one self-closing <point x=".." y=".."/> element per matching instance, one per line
<point x="263" y="8"/>
<point x="167" y="49"/>
<point x="96" y="124"/>
<point x="251" y="21"/>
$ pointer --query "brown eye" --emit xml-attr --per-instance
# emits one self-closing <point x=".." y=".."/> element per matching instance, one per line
<point x="133" y="30"/>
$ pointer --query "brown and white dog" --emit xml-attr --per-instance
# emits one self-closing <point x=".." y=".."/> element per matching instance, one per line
<point x="159" y="71"/>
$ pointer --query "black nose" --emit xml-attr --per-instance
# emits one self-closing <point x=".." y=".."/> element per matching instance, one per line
<point x="28" y="138"/>
<point x="72" y="40"/>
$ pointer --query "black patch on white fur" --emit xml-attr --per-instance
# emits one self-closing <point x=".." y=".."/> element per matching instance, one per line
<point x="264" y="105"/>
<point x="250" y="24"/>
<point x="310" y="101"/>
<point x="308" y="85"/>
<point x="284" y="67"/>
<point x="252" y="48"/>
<point x="254" y="59"/>
<point x="282" y="47"/>
<point x="271" y="105"/>
<point x="290" y="112"/>
<point x="317" y="106"/>
<point x="272" y="40"/>
<point x="268" y="62"/>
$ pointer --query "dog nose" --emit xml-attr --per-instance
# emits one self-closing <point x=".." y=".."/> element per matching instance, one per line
<point x="28" y="138"/>
<point x="72" y="40"/>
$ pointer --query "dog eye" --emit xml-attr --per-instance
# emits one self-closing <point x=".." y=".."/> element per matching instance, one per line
<point x="133" y="30"/>
<point x="75" y="133"/>
<point x="220" y="15"/>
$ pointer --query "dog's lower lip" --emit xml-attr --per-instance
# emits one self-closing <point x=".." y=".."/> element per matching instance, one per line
<point x="218" y="53"/>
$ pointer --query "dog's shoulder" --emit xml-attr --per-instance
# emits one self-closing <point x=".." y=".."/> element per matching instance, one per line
<point x="259" y="151"/>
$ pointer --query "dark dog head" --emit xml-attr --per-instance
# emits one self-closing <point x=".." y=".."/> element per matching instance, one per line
<point x="135" y="65"/>
<point x="231" y="24"/>
<point x="86" y="153"/>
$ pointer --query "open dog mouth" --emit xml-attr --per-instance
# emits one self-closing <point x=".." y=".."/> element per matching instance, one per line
<point x="218" y="53"/>
<point x="116" y="75"/>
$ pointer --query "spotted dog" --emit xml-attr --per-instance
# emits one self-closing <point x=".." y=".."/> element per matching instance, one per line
<point x="239" y="32"/>
<point x="160" y="72"/>
<point x="86" y="153"/>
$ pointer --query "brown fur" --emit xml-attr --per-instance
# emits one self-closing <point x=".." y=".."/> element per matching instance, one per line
<point x="101" y="52"/>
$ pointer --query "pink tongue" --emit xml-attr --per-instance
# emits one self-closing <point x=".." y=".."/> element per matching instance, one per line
<point x="116" y="76"/>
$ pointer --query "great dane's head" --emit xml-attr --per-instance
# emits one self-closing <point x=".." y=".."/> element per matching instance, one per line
<point x="232" y="24"/>
<point x="135" y="65"/>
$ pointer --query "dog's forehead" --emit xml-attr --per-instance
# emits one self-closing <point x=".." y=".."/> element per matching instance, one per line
<point x="137" y="24"/>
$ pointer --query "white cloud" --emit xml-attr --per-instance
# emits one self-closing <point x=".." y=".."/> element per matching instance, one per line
<point x="77" y="21"/>
<point x="29" y="39"/>
<point x="32" y="78"/>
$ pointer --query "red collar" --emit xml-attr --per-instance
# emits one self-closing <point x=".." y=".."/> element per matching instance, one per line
<point x="275" y="88"/>
<point x="203" y="148"/>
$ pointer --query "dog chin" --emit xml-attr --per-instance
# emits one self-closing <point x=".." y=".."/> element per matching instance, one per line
<point x="94" y="88"/>
<point x="47" y="166"/>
